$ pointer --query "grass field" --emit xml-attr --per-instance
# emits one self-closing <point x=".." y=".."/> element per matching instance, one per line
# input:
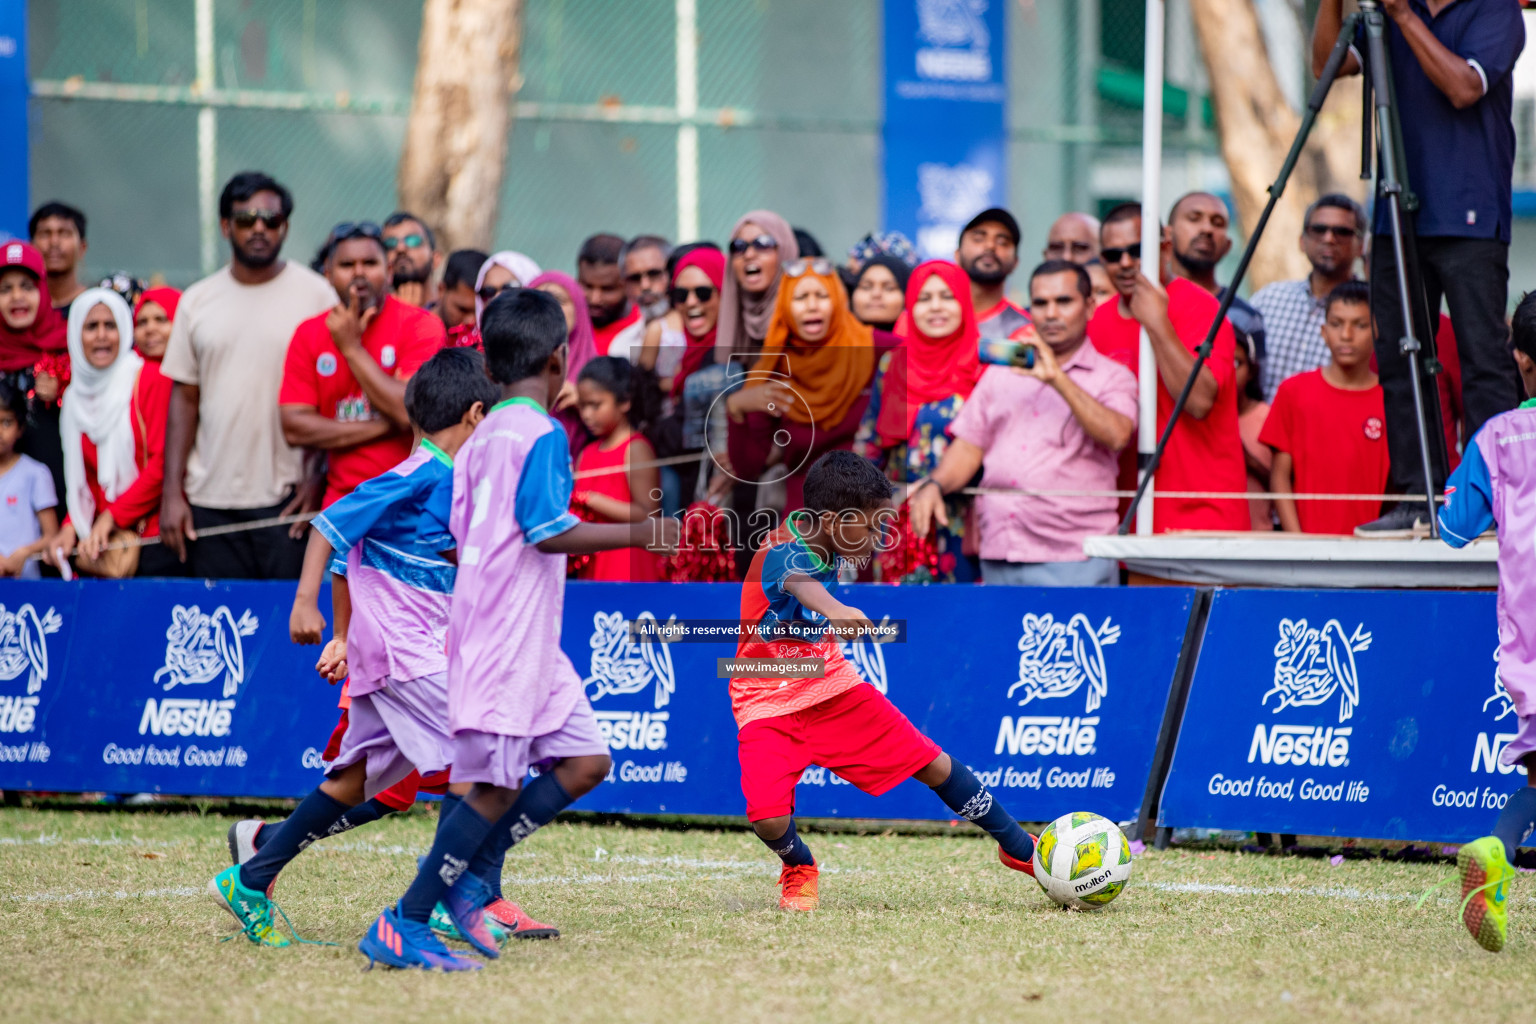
<point x="103" y="918"/>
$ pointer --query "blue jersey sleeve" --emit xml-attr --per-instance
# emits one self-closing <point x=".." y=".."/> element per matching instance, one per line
<point x="786" y="616"/>
<point x="1468" y="508"/>
<point x="432" y="530"/>
<point x="543" y="502"/>
<point x="351" y="518"/>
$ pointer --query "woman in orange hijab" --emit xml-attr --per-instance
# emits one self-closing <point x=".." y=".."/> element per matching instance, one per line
<point x="919" y="392"/>
<point x="808" y="389"/>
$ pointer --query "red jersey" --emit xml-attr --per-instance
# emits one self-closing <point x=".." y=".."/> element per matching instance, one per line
<point x="400" y="338"/>
<point x="604" y="336"/>
<point x="635" y="565"/>
<point x="1202" y="455"/>
<point x="1337" y="441"/>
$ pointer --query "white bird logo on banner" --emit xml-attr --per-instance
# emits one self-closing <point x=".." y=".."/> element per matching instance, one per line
<point x="1057" y="658"/>
<point x="198" y="648"/>
<point x="1500" y="694"/>
<point x="869" y="661"/>
<point x="620" y="664"/>
<point x="1311" y="665"/>
<point x="23" y="645"/>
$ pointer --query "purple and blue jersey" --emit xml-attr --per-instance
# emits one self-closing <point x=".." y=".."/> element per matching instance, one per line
<point x="506" y="672"/>
<point x="392" y="531"/>
<point x="1496" y="485"/>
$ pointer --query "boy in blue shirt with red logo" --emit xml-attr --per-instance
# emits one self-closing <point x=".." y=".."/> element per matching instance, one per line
<point x="837" y="720"/>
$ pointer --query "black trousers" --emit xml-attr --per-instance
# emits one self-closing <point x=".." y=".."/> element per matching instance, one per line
<point x="264" y="554"/>
<point x="1472" y="275"/>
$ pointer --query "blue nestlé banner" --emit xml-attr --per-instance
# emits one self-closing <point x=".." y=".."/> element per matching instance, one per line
<point x="945" y="131"/>
<point x="1359" y="713"/>
<point x="1054" y="696"/>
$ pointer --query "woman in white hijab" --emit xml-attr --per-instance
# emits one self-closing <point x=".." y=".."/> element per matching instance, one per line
<point x="104" y="455"/>
<point x="505" y="269"/>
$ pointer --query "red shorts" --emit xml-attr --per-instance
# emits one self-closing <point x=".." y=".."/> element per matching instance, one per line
<point x="402" y="794"/>
<point x="858" y="735"/>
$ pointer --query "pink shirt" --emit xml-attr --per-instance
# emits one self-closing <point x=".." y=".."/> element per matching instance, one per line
<point x="1032" y="440"/>
<point x="511" y="490"/>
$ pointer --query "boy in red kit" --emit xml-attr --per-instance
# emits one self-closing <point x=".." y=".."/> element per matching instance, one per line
<point x="835" y="720"/>
<point x="1327" y="426"/>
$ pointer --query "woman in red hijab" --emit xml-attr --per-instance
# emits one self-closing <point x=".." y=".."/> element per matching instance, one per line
<point x="919" y="392"/>
<point x="32" y="345"/>
<point x="691" y="381"/>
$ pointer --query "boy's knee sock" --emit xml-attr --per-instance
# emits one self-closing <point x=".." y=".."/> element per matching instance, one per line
<point x="536" y="806"/>
<point x="450" y="801"/>
<point x="362" y="814"/>
<point x="458" y="837"/>
<point x="1516" y="820"/>
<point x="965" y="794"/>
<point x="316" y="817"/>
<point x="790" y="848"/>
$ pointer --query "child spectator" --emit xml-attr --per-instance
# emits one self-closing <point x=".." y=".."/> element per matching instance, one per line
<point x="28" y="503"/>
<point x="611" y="396"/>
<point x="1252" y="412"/>
<point x="1327" y="427"/>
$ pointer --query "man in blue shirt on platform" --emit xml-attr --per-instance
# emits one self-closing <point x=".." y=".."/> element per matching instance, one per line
<point x="1452" y="64"/>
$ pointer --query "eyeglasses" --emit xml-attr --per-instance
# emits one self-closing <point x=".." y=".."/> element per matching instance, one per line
<point x="1113" y="256"/>
<point x="1058" y="248"/>
<point x="488" y="293"/>
<point x="1336" y="230"/>
<point x="679" y="296"/>
<point x="409" y="241"/>
<point x="348" y="230"/>
<point x="795" y="268"/>
<point x="246" y="219"/>
<point x="762" y="243"/>
<point x="640" y="276"/>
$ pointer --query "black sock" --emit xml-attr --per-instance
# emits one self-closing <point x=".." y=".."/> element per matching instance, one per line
<point x="315" y="818"/>
<point x="1516" y="820"/>
<point x="450" y="801"/>
<point x="790" y="848"/>
<point x="362" y="814"/>
<point x="458" y="838"/>
<point x="536" y="806"/>
<point x="965" y="794"/>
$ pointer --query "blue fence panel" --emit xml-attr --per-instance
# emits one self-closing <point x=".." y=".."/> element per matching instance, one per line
<point x="1373" y="714"/>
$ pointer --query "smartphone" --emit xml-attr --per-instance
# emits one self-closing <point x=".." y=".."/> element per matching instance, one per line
<point x="1006" y="353"/>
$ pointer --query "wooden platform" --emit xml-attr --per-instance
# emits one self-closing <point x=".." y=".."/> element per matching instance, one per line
<point x="1300" y="560"/>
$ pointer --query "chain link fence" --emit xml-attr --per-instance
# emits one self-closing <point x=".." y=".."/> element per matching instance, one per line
<point x="316" y="92"/>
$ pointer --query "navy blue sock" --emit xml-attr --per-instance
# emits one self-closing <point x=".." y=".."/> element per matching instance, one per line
<point x="315" y="818"/>
<point x="1516" y="820"/>
<point x="362" y="814"/>
<point x="968" y="797"/>
<point x="790" y="848"/>
<point x="457" y="840"/>
<point x="450" y="801"/>
<point x="536" y="806"/>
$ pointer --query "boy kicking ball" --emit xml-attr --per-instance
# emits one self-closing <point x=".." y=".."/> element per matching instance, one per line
<point x="1496" y="485"/>
<point x="837" y="721"/>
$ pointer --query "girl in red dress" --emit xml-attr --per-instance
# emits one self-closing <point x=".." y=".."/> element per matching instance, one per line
<point x="612" y="398"/>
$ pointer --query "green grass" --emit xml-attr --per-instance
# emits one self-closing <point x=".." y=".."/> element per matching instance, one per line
<point x="102" y="919"/>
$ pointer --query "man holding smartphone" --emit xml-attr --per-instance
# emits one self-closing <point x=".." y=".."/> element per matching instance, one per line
<point x="344" y="379"/>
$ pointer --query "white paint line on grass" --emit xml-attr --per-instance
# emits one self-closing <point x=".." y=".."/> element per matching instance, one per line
<point x="1330" y="892"/>
<point x="100" y="895"/>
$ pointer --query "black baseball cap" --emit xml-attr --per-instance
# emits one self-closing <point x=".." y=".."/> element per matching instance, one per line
<point x="997" y="215"/>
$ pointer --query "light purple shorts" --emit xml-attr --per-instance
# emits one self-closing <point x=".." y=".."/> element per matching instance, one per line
<point x="504" y="760"/>
<point x="401" y="727"/>
<point x="1523" y="743"/>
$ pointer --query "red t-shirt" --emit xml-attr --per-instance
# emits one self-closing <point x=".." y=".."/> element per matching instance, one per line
<point x="400" y="339"/>
<point x="604" y="335"/>
<point x="1202" y="455"/>
<point x="1337" y="441"/>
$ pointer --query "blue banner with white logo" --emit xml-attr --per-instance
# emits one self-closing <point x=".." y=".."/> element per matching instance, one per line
<point x="946" y="135"/>
<point x="1358" y="713"/>
<point x="1054" y="697"/>
<point x="13" y="114"/>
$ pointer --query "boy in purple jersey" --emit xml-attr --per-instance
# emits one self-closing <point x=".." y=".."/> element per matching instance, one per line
<point x="1495" y="486"/>
<point x="514" y="699"/>
<point x="391" y="613"/>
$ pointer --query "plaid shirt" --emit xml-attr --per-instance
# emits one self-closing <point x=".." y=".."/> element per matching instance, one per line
<point x="1293" y="328"/>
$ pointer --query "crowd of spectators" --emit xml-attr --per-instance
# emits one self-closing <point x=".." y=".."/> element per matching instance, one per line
<point x="717" y="372"/>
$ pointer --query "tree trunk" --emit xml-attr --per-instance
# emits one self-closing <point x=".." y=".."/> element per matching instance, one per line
<point x="1257" y="125"/>
<point x="456" y="138"/>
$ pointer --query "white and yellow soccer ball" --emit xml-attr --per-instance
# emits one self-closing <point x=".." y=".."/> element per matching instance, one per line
<point x="1082" y="861"/>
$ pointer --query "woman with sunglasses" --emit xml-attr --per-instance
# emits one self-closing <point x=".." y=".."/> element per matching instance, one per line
<point x="691" y="422"/>
<point x="505" y="269"/>
<point x="918" y="393"/>
<point x="808" y="389"/>
<point x="761" y="243"/>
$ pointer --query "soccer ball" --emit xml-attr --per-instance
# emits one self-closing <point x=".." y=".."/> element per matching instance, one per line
<point x="1082" y="860"/>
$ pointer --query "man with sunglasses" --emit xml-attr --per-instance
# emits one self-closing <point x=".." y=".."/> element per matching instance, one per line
<point x="1073" y="237"/>
<point x="343" y="389"/>
<point x="413" y="259"/>
<point x="1205" y="452"/>
<point x="226" y="459"/>
<point x="1332" y="234"/>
